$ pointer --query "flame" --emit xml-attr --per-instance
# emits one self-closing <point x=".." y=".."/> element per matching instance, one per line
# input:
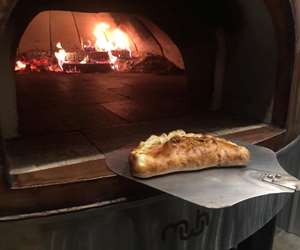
<point x="88" y="46"/>
<point x="20" y="65"/>
<point x="60" y="55"/>
<point x="85" y="60"/>
<point x="120" y="40"/>
<point x="102" y="27"/>
<point x="108" y="40"/>
<point x="102" y="43"/>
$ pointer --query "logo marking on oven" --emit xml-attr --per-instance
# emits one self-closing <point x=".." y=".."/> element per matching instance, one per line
<point x="185" y="230"/>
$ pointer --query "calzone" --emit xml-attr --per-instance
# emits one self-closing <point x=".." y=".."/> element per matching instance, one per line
<point x="181" y="151"/>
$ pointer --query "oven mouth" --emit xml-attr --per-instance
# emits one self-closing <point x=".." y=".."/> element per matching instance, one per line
<point x="70" y="88"/>
<point x="78" y="42"/>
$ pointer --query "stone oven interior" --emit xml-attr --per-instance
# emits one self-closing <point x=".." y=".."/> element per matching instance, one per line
<point x="217" y="75"/>
<point x="145" y="82"/>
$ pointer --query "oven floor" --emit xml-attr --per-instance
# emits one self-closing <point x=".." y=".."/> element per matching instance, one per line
<point x="109" y="107"/>
<point x="54" y="102"/>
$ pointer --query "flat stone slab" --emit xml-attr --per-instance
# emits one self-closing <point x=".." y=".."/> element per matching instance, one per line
<point x="35" y="153"/>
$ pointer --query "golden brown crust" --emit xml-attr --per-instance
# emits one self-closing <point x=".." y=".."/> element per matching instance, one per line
<point x="180" y="151"/>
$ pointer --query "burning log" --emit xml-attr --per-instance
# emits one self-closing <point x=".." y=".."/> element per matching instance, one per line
<point x="98" y="57"/>
<point x="74" y="56"/>
<point x="86" y="67"/>
<point x="121" y="54"/>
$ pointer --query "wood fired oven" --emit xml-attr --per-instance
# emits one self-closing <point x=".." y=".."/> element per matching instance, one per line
<point x="81" y="79"/>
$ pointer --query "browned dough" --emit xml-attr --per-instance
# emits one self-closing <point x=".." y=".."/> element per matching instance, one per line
<point x="180" y="151"/>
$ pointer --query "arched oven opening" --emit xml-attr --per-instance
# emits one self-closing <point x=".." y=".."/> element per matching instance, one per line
<point x="90" y="79"/>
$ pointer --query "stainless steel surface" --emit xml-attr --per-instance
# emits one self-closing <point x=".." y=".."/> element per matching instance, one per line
<point x="160" y="223"/>
<point x="282" y="180"/>
<point x="289" y="158"/>
<point x="212" y="188"/>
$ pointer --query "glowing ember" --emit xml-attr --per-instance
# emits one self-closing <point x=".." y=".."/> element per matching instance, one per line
<point x="85" y="60"/>
<point x="20" y="65"/>
<point x="60" y="55"/>
<point x="54" y="68"/>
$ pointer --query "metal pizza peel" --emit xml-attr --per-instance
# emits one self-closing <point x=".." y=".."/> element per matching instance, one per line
<point x="217" y="187"/>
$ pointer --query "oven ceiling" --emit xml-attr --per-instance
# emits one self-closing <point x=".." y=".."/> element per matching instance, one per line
<point x="74" y="28"/>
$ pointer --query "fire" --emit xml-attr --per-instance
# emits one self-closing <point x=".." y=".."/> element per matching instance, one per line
<point x="109" y="40"/>
<point x="60" y="55"/>
<point x="109" y="46"/>
<point x="120" y="40"/>
<point x="88" y="46"/>
<point x="102" y="43"/>
<point x="85" y="60"/>
<point x="20" y="65"/>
